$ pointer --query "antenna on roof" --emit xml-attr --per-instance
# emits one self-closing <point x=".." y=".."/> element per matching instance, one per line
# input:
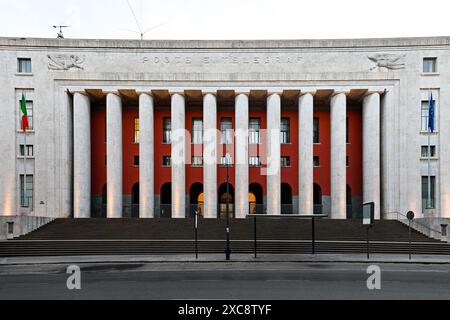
<point x="140" y="26"/>
<point x="60" y="33"/>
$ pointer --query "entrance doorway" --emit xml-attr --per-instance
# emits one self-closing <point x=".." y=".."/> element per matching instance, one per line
<point x="225" y="198"/>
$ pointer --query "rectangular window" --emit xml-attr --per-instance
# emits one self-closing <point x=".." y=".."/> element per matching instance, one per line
<point x="316" y="130"/>
<point x="29" y="150"/>
<point x="136" y="161"/>
<point x="347" y="161"/>
<point x="226" y="160"/>
<point x="316" y="162"/>
<point x="285" y="162"/>
<point x="429" y="65"/>
<point x="197" y="131"/>
<point x="254" y="131"/>
<point x="425" y="203"/>
<point x="29" y="115"/>
<point x="136" y="130"/>
<point x="197" y="161"/>
<point x="167" y="161"/>
<point x="226" y="130"/>
<point x="26" y="192"/>
<point x="425" y="152"/>
<point x="254" y="162"/>
<point x="24" y="65"/>
<point x="285" y="134"/>
<point x="167" y="131"/>
<point x="424" y="116"/>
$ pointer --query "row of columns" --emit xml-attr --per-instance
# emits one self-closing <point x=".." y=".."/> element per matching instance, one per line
<point x="338" y="106"/>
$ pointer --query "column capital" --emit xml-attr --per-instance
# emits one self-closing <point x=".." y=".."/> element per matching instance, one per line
<point x="209" y="91"/>
<point x="369" y="93"/>
<point x="177" y="92"/>
<point x="116" y="93"/>
<point x="308" y="92"/>
<point x="149" y="93"/>
<point x="243" y="91"/>
<point x="272" y="92"/>
<point x="339" y="92"/>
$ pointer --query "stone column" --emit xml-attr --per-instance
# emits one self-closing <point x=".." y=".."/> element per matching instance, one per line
<point x="338" y="156"/>
<point x="81" y="155"/>
<point x="114" y="155"/>
<point x="178" y="156"/>
<point x="146" y="157"/>
<point x="306" y="154"/>
<point x="210" y="155"/>
<point x="273" y="154"/>
<point x="241" y="161"/>
<point x="371" y="151"/>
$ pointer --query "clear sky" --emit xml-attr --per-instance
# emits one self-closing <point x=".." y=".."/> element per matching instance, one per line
<point x="227" y="19"/>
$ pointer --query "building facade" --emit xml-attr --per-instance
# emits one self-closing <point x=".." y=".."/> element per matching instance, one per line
<point x="122" y="128"/>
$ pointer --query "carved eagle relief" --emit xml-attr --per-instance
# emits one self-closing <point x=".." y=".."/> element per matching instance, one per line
<point x="388" y="61"/>
<point x="65" y="62"/>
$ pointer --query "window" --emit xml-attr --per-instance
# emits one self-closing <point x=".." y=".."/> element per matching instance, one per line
<point x="226" y="129"/>
<point x="29" y="150"/>
<point x="285" y="135"/>
<point x="316" y="130"/>
<point x="316" y="162"/>
<point x="26" y="192"/>
<point x="197" y="131"/>
<point x="285" y="162"/>
<point x="167" y="131"/>
<point x="29" y="115"/>
<point x="136" y="130"/>
<point x="24" y="65"/>
<point x="167" y="161"/>
<point x="425" y="153"/>
<point x="254" y="131"/>
<point x="347" y="161"/>
<point x="106" y="161"/>
<point x="226" y="160"/>
<point x="425" y="204"/>
<point x="429" y="65"/>
<point x="197" y="161"/>
<point x="254" y="162"/>
<point x="424" y="116"/>
<point x="136" y="161"/>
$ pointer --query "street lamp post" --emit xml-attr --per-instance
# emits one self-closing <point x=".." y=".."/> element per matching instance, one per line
<point x="228" y="250"/>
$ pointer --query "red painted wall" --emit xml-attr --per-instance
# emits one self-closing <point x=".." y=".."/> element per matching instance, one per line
<point x="291" y="175"/>
<point x="193" y="175"/>
<point x="322" y="174"/>
<point x="98" y="152"/>
<point x="354" y="151"/>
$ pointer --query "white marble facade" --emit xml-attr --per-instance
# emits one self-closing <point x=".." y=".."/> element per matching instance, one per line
<point x="385" y="74"/>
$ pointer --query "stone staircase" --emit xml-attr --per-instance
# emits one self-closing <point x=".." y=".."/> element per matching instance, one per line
<point x="69" y="237"/>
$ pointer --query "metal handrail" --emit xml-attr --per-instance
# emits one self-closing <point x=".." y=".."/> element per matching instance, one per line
<point x="414" y="222"/>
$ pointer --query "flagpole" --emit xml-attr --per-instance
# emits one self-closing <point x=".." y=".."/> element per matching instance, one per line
<point x="430" y="128"/>
<point x="429" y="168"/>
<point x="25" y="168"/>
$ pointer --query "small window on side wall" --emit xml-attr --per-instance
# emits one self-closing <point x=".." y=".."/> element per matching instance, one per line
<point x="24" y="65"/>
<point x="429" y="65"/>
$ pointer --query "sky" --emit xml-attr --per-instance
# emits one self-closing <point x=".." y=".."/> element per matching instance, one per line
<point x="226" y="19"/>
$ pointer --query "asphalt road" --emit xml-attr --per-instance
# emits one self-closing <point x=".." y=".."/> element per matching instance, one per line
<point x="251" y="281"/>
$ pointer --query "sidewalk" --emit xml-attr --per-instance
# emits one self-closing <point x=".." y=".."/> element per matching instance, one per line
<point x="214" y="258"/>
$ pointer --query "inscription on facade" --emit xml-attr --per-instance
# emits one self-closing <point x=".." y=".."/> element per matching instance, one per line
<point x="216" y="60"/>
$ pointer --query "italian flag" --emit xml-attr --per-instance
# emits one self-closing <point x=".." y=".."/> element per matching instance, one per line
<point x="23" y="107"/>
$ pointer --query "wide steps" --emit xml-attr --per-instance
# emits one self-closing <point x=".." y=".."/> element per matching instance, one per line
<point x="69" y="237"/>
